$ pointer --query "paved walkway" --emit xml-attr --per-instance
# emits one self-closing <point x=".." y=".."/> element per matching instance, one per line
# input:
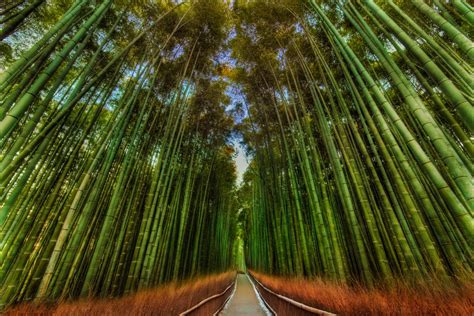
<point x="244" y="301"/>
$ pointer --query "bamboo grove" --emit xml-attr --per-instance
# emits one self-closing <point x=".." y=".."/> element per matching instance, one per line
<point x="117" y="124"/>
<point x="360" y="123"/>
<point x="115" y="169"/>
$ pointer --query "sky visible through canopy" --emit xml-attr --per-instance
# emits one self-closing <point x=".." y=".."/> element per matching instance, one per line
<point x="236" y="97"/>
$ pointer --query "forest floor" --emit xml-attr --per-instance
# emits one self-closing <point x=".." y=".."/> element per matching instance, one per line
<point x="170" y="299"/>
<point x="427" y="298"/>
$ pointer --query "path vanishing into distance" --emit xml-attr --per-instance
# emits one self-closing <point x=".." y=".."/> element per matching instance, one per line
<point x="244" y="301"/>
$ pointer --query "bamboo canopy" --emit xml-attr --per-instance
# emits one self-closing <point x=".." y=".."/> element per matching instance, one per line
<point x="118" y="121"/>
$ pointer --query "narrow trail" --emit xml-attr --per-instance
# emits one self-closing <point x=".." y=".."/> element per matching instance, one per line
<point x="244" y="301"/>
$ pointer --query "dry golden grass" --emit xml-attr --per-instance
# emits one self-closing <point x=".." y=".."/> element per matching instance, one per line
<point x="427" y="298"/>
<point x="170" y="299"/>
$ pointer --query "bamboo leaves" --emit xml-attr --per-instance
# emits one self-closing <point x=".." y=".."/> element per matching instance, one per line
<point x="372" y="164"/>
<point x="106" y="167"/>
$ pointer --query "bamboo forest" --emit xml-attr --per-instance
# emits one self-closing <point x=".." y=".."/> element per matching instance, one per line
<point x="274" y="153"/>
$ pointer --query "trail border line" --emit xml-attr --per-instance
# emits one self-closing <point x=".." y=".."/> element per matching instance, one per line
<point x="266" y="307"/>
<point x="227" y="300"/>
<point x="210" y="298"/>
<point x="293" y="302"/>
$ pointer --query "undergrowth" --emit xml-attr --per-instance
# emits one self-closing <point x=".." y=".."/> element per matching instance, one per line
<point x="170" y="299"/>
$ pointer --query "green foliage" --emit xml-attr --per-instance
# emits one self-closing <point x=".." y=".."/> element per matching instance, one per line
<point x="126" y="130"/>
<point x="353" y="173"/>
<point x="116" y="119"/>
